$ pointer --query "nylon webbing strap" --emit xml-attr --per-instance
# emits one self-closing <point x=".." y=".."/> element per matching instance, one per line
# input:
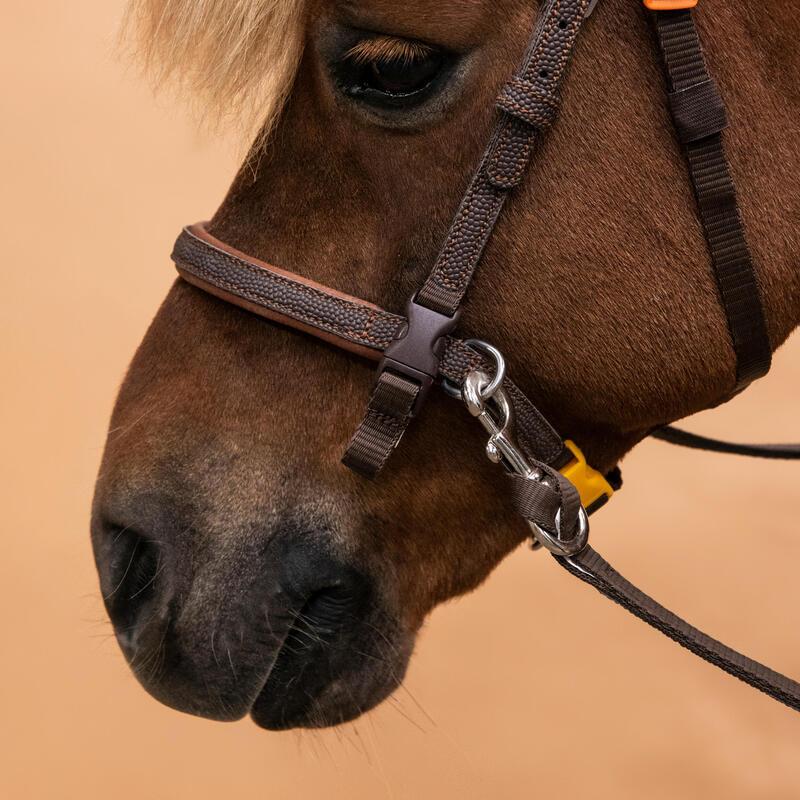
<point x="540" y="501"/>
<point x="529" y="103"/>
<point x="699" y="115"/>
<point x="384" y="423"/>
<point x="594" y="570"/>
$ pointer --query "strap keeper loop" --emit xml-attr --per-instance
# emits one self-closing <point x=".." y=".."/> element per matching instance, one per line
<point x="531" y="106"/>
<point x="698" y="111"/>
<point x="533" y="102"/>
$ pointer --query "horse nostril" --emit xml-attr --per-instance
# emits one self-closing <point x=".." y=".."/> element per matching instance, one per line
<point x="132" y="573"/>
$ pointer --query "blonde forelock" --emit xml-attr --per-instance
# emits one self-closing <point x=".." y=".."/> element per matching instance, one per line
<point x="235" y="58"/>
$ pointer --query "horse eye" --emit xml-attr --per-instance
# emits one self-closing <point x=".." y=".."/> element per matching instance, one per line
<point x="400" y="76"/>
<point x="391" y="81"/>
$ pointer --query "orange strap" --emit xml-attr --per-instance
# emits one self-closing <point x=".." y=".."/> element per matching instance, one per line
<point x="669" y="5"/>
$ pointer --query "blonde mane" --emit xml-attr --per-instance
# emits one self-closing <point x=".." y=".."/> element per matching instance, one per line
<point x="235" y="58"/>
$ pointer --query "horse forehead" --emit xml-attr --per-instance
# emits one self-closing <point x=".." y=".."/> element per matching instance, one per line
<point x="455" y="23"/>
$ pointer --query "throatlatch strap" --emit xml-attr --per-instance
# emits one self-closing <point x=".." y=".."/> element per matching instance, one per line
<point x="699" y="115"/>
<point x="528" y="103"/>
<point x="594" y="570"/>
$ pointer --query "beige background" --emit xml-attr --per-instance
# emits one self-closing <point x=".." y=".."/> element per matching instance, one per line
<point x="96" y="180"/>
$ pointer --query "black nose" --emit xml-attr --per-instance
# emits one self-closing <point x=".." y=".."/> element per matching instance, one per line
<point x="220" y="628"/>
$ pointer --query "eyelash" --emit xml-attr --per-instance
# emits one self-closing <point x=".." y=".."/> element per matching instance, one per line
<point x="380" y="49"/>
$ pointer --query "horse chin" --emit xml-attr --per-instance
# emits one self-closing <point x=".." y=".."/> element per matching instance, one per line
<point x="342" y="699"/>
<point x="321" y="686"/>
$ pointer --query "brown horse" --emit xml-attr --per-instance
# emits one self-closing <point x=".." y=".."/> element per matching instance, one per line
<point x="244" y="568"/>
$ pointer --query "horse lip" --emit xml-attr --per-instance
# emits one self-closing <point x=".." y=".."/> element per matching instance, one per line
<point x="277" y="655"/>
<point x="317" y="627"/>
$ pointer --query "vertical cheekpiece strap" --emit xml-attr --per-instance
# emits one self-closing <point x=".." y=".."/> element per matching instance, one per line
<point x="699" y="115"/>
<point x="528" y="104"/>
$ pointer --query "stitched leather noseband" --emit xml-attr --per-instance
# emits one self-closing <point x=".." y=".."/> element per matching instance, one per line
<point x="552" y="486"/>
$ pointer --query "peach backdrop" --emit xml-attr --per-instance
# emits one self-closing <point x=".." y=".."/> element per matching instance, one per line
<point x="97" y="179"/>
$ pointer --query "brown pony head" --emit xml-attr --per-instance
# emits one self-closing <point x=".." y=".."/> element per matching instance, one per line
<point x="244" y="567"/>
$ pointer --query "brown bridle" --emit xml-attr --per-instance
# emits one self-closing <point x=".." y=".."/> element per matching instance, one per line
<point x="552" y="486"/>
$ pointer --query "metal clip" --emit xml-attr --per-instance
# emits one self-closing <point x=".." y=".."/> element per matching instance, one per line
<point x="488" y="402"/>
<point x="496" y="420"/>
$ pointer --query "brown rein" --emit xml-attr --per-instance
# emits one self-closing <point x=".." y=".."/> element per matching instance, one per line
<point x="418" y="349"/>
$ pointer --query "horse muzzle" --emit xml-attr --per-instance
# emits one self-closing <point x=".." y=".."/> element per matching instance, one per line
<point x="278" y="626"/>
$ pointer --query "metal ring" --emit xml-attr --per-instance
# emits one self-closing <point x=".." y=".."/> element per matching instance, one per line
<point x="499" y="365"/>
<point x="555" y="544"/>
<point x="499" y="370"/>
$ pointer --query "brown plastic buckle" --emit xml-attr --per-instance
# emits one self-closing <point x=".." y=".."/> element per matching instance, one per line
<point x="417" y="350"/>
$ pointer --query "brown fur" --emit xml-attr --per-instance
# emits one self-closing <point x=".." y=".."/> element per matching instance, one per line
<point x="596" y="285"/>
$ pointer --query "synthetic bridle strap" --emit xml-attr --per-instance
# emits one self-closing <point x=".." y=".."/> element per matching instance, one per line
<point x="345" y="321"/>
<point x="699" y="115"/>
<point x="528" y="105"/>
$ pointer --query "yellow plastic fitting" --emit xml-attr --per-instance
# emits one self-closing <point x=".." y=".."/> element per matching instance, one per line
<point x="590" y="483"/>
